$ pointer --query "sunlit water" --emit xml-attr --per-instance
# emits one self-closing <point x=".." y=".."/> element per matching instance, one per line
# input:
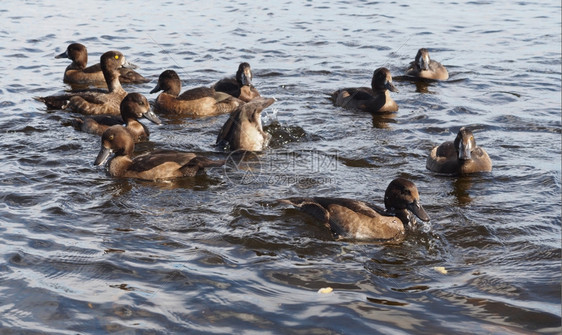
<point x="82" y="252"/>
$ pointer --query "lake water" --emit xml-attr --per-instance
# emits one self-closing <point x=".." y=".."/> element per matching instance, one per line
<point x="81" y="252"/>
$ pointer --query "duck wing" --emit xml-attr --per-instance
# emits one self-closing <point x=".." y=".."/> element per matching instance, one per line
<point x="197" y="93"/>
<point x="153" y="159"/>
<point x="228" y="85"/>
<point x="227" y="131"/>
<point x="199" y="163"/>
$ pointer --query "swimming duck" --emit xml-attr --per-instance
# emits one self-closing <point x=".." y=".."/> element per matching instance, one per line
<point x="375" y="99"/>
<point x="158" y="165"/>
<point x="358" y="220"/>
<point x="243" y="130"/>
<point x="459" y="157"/>
<point x="240" y="86"/>
<point x="200" y="101"/>
<point x="424" y="67"/>
<point x="78" y="74"/>
<point x="93" y="102"/>
<point x="133" y="107"/>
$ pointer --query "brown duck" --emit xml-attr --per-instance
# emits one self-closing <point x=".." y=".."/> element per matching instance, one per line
<point x="133" y="107"/>
<point x="425" y="67"/>
<point x="243" y="129"/>
<point x="375" y="99"/>
<point x="158" y="165"/>
<point x="462" y="156"/>
<point x="358" y="220"/>
<point x="200" y="101"/>
<point x="92" y="102"/>
<point x="78" y="73"/>
<point x="240" y="86"/>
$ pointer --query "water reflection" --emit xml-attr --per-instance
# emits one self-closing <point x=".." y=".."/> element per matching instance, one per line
<point x="461" y="186"/>
<point x="381" y="121"/>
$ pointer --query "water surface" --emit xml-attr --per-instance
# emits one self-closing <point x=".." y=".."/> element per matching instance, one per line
<point x="82" y="252"/>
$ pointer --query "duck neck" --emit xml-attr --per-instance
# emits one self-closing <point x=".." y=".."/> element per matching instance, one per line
<point x="404" y="215"/>
<point x="119" y="165"/>
<point x="173" y="89"/>
<point x="136" y="129"/>
<point x="81" y="61"/>
<point x="112" y="81"/>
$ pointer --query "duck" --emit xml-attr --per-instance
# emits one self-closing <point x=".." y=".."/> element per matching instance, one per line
<point x="133" y="107"/>
<point x="243" y="129"/>
<point x="376" y="99"/>
<point x="239" y="86"/>
<point x="460" y="157"/>
<point x="199" y="101"/>
<point x="78" y="74"/>
<point x="95" y="102"/>
<point x="152" y="166"/>
<point x="426" y="68"/>
<point x="351" y="219"/>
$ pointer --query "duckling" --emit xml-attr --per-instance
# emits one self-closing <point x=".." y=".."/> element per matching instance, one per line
<point x="158" y="165"/>
<point x="200" y="101"/>
<point x="240" y="86"/>
<point x="424" y="67"/>
<point x="78" y="74"/>
<point x="375" y="99"/>
<point x="133" y="107"/>
<point x="462" y="156"/>
<point x="93" y="102"/>
<point x="358" y="220"/>
<point x="243" y="130"/>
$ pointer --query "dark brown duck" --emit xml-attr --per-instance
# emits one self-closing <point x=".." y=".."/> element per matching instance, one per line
<point x="200" y="101"/>
<point x="462" y="156"/>
<point x="240" y="86"/>
<point x="358" y="220"/>
<point x="375" y="99"/>
<point x="78" y="73"/>
<point x="95" y="102"/>
<point x="133" y="107"/>
<point x="157" y="165"/>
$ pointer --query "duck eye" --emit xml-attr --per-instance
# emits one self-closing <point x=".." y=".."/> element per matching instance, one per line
<point x="116" y="56"/>
<point x="111" y="137"/>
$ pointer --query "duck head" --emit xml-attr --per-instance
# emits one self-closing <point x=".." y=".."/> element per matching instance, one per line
<point x="464" y="143"/>
<point x="115" y="140"/>
<point x="402" y="197"/>
<point x="382" y="80"/>
<point x="135" y="105"/>
<point x="244" y="74"/>
<point x="169" y="82"/>
<point x="422" y="59"/>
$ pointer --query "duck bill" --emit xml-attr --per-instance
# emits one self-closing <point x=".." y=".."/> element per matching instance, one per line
<point x="156" y="89"/>
<point x="128" y="65"/>
<point x="62" y="55"/>
<point x="389" y="86"/>
<point x="263" y="102"/>
<point x="464" y="151"/>
<point x="416" y="208"/>
<point x="424" y="63"/>
<point x="152" y="117"/>
<point x="246" y="78"/>
<point x="103" y="155"/>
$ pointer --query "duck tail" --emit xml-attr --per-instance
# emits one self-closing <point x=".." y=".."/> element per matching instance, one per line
<point x="199" y="163"/>
<point x="55" y="101"/>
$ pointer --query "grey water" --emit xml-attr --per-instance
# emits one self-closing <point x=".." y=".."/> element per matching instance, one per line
<point x="84" y="253"/>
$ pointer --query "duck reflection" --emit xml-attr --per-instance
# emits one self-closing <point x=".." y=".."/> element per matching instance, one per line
<point x="381" y="121"/>
<point x="422" y="86"/>
<point x="461" y="186"/>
